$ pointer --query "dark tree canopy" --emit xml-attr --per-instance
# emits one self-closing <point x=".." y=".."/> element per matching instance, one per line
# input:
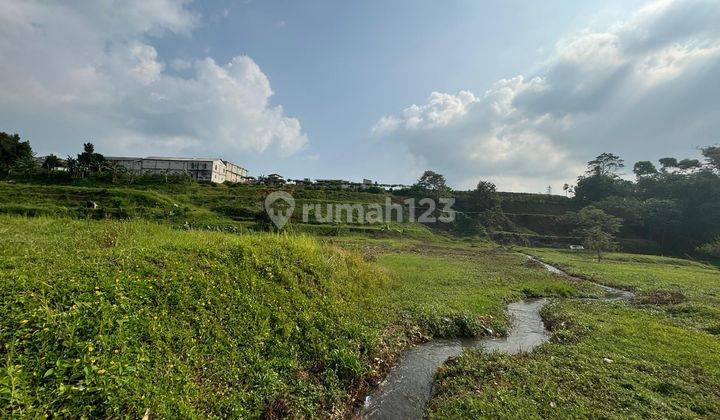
<point x="676" y="209"/>
<point x="485" y="195"/>
<point x="689" y="164"/>
<point x="12" y="149"/>
<point x="52" y="162"/>
<point x="644" y="168"/>
<point x="89" y="161"/>
<point x="661" y="217"/>
<point x="668" y="163"/>
<point x="712" y="157"/>
<point x="598" y="187"/>
<point x="24" y="167"/>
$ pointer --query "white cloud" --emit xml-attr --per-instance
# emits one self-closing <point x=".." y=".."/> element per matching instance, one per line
<point x="77" y="70"/>
<point x="440" y="110"/>
<point x="651" y="80"/>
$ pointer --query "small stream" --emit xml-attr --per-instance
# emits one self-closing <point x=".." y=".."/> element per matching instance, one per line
<point x="408" y="387"/>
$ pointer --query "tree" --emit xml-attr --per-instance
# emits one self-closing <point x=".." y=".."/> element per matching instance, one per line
<point x="688" y="165"/>
<point x="668" y="163"/>
<point x="606" y="164"/>
<point x="73" y="166"/>
<point x="116" y="171"/>
<point x="711" y="249"/>
<point x="629" y="209"/>
<point x="89" y="161"/>
<point x="595" y="188"/>
<point x="486" y="187"/>
<point x="476" y="209"/>
<point x="661" y="216"/>
<point x="601" y="179"/>
<point x="485" y="196"/>
<point x="11" y="150"/>
<point x="24" y="167"/>
<point x="597" y="228"/>
<point x="432" y="181"/>
<point x="644" y="168"/>
<point x="52" y="162"/>
<point x="597" y="240"/>
<point x="712" y="157"/>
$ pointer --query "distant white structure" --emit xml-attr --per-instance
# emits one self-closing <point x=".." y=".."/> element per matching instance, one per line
<point x="201" y="169"/>
<point x="577" y="247"/>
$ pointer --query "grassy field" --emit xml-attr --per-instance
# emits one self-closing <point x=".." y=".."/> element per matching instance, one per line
<point x="112" y="318"/>
<point x="688" y="292"/>
<point x="614" y="361"/>
<point x="170" y="298"/>
<point x="655" y="357"/>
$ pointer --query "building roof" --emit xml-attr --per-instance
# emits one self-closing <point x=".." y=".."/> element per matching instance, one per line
<point x="182" y="158"/>
<point x="227" y="162"/>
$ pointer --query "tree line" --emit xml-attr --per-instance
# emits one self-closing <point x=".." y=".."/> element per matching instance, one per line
<point x="675" y="204"/>
<point x="18" y="161"/>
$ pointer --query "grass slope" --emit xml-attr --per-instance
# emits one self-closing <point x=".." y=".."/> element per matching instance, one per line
<point x="224" y="208"/>
<point x="109" y="318"/>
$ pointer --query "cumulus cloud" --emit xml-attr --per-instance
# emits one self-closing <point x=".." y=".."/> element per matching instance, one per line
<point x="646" y="85"/>
<point x="76" y="70"/>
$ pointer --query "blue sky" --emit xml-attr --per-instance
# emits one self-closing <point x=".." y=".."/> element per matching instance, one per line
<point x="355" y="83"/>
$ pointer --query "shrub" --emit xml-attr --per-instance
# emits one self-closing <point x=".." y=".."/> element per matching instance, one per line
<point x="711" y="249"/>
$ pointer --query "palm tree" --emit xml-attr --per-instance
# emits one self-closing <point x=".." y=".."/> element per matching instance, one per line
<point x="52" y="162"/>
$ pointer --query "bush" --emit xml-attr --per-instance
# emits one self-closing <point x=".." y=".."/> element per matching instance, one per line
<point x="711" y="249"/>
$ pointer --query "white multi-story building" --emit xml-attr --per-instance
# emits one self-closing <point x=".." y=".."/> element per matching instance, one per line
<point x="234" y="173"/>
<point x="201" y="169"/>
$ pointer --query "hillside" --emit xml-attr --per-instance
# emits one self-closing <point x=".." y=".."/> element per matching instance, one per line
<point x="226" y="208"/>
<point x="537" y="220"/>
<point x="526" y="219"/>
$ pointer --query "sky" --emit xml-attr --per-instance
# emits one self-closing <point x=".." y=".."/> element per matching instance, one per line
<point x="521" y="93"/>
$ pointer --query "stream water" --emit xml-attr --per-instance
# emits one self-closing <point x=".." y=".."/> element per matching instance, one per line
<point x="408" y="387"/>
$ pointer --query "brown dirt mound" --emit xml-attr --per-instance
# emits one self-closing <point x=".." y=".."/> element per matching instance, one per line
<point x="532" y="263"/>
<point x="659" y="297"/>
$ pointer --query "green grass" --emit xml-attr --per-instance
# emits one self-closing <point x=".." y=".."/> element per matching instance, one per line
<point x="663" y="360"/>
<point x="645" y="274"/>
<point x="109" y="319"/>
<point x="640" y="272"/>
<point x="433" y="286"/>
<point x="112" y="318"/>
<point x="614" y="361"/>
<point x="174" y="303"/>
